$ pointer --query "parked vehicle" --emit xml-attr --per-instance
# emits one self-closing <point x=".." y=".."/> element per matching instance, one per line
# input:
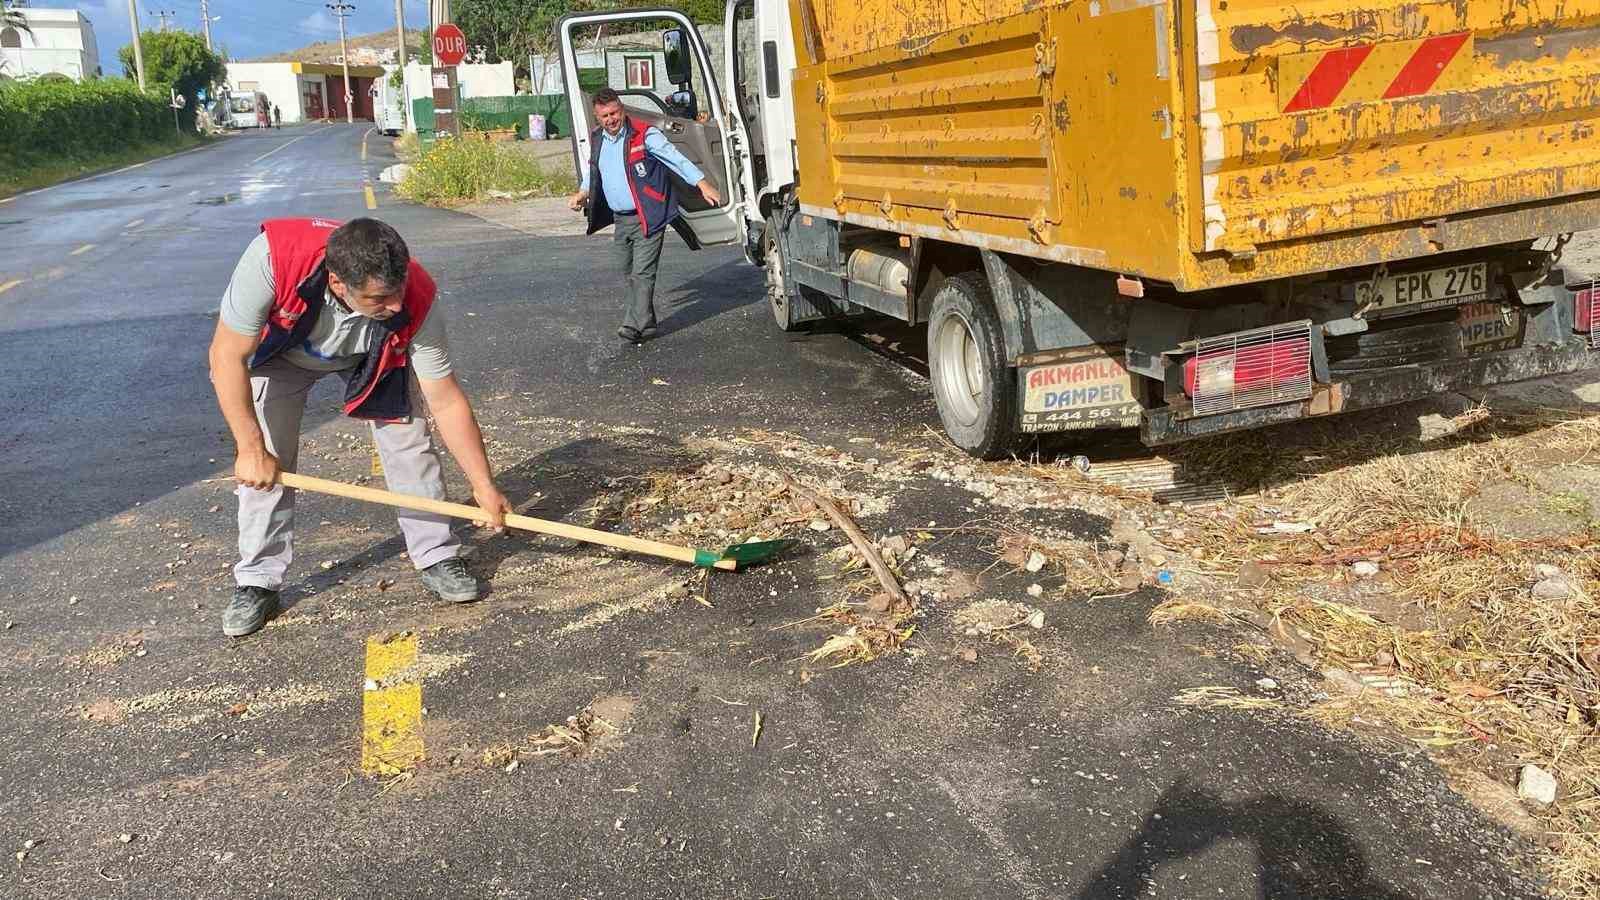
<point x="250" y="109"/>
<point x="1186" y="216"/>
<point x="388" y="106"/>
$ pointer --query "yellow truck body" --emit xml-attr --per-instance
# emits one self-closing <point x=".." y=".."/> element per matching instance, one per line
<point x="1202" y="143"/>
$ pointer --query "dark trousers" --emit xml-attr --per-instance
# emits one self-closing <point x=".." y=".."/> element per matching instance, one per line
<point x="638" y="257"/>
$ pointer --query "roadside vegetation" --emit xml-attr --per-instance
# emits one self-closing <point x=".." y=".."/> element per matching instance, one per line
<point x="455" y="171"/>
<point x="54" y="130"/>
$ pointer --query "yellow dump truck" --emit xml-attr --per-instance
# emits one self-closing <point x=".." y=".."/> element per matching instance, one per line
<point x="1186" y="216"/>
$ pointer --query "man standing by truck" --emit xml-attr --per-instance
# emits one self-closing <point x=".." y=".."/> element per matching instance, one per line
<point x="309" y="298"/>
<point x="633" y="166"/>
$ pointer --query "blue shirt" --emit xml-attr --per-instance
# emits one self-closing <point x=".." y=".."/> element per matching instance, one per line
<point x="614" y="179"/>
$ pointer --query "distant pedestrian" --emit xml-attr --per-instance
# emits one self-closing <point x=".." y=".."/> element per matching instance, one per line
<point x="277" y="116"/>
<point x="633" y="166"/>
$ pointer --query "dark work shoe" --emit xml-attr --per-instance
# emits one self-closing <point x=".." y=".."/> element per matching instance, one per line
<point x="630" y="335"/>
<point x="249" y="610"/>
<point x="451" y="581"/>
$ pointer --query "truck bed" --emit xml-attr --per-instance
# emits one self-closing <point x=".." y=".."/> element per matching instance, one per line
<point x="1200" y="142"/>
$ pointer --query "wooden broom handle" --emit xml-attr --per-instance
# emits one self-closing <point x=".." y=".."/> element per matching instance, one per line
<point x="513" y="520"/>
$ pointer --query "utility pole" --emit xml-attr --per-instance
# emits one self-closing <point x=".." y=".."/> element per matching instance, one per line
<point x="343" y="10"/>
<point x="138" y="50"/>
<point x="400" y="30"/>
<point x="163" y="15"/>
<point x="205" y="21"/>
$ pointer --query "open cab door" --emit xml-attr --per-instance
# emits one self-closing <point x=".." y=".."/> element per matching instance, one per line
<point x="658" y="63"/>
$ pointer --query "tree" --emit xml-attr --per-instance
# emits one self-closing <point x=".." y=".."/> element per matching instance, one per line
<point x="179" y="61"/>
<point x="514" y="30"/>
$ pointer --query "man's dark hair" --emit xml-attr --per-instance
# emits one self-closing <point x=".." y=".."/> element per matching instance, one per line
<point x="367" y="248"/>
<point x="606" y="97"/>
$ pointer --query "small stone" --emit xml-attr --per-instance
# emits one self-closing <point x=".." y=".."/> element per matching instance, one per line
<point x="1552" y="589"/>
<point x="214" y="509"/>
<point x="141" y="654"/>
<point x="327" y="564"/>
<point x="1036" y="621"/>
<point x="512" y="766"/>
<point x="617" y="824"/>
<point x="1537" y="785"/>
<point x="125" y="838"/>
<point x="1114" y="558"/>
<point x="1036" y="561"/>
<point x="72" y="601"/>
<point x="1253" y="575"/>
<point x="723" y="477"/>
<point x="369" y="685"/>
<point x="29" y="845"/>
<point x="879" y="603"/>
<point x="969" y="655"/>
<point x="819" y="525"/>
<point x="1035" y="590"/>
<point x="10" y="625"/>
<point x="1156" y="560"/>
<point x="1267" y="684"/>
<point x="898" y="545"/>
<point x="1364" y="569"/>
<point x="1546" y="571"/>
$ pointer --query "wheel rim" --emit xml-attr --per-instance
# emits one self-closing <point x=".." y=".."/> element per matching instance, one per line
<point x="959" y="371"/>
<point x="777" y="292"/>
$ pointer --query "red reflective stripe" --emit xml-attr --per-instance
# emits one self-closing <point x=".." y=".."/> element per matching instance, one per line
<point x="1332" y="73"/>
<point x="1425" y="66"/>
<point x="654" y="194"/>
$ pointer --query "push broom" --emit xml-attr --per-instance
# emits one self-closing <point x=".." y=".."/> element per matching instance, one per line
<point x="729" y="559"/>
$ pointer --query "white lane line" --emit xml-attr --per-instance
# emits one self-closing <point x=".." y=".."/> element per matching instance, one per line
<point x="82" y="250"/>
<point x="287" y="143"/>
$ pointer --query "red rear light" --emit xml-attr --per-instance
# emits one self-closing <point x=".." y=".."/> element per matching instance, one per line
<point x="1262" y="367"/>
<point x="1586" y="313"/>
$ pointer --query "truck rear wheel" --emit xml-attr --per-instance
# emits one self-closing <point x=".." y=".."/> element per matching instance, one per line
<point x="972" y="383"/>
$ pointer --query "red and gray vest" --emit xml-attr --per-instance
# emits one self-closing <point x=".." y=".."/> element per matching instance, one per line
<point x="649" y="181"/>
<point x="379" y="388"/>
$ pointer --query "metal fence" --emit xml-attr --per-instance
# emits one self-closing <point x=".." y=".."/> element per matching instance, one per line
<point x="501" y="112"/>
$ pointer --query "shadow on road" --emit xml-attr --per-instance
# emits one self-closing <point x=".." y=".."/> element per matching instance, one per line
<point x="1301" y="850"/>
<point x="704" y="297"/>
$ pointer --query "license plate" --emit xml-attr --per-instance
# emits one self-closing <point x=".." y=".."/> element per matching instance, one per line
<point x="1414" y="292"/>
<point x="1078" y="390"/>
<point x="1489" y="327"/>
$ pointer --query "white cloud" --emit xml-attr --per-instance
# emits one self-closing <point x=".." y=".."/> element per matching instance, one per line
<point x="318" y="24"/>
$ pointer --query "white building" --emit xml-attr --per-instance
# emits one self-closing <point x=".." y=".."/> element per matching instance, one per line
<point x="62" y="42"/>
<point x="474" y="79"/>
<point x="306" y="91"/>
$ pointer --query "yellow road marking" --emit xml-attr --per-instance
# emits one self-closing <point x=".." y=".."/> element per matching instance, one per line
<point x="391" y="728"/>
<point x="134" y="224"/>
<point x="372" y="200"/>
<point x="82" y="250"/>
<point x="9" y="285"/>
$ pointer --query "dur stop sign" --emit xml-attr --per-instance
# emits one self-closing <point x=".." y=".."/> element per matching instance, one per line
<point x="449" y="45"/>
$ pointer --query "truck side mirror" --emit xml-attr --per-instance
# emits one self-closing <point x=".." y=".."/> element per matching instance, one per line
<point x="675" y="47"/>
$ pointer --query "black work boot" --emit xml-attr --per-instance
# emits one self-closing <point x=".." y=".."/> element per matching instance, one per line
<point x="249" y="610"/>
<point x="451" y="581"/>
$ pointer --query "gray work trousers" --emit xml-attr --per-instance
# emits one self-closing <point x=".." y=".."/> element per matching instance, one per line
<point x="266" y="518"/>
<point x="638" y="256"/>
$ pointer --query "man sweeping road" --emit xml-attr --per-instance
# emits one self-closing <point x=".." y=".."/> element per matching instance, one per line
<point x="311" y="298"/>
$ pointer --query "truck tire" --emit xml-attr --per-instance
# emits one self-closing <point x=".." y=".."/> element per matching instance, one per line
<point x="780" y="293"/>
<point x="972" y="383"/>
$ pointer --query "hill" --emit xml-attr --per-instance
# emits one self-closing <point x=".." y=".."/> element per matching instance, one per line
<point x="365" y="49"/>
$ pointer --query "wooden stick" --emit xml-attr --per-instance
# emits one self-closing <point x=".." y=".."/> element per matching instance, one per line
<point x="513" y="520"/>
<point x="885" y="577"/>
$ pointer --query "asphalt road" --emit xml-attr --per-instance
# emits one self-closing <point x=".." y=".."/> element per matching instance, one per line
<point x="232" y="768"/>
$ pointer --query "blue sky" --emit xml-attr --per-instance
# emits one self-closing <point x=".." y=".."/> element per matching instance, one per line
<point x="248" y="28"/>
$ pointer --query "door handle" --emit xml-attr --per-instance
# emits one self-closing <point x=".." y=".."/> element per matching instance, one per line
<point x="675" y="127"/>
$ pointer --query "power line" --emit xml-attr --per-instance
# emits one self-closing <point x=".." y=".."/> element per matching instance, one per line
<point x="164" y="15"/>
